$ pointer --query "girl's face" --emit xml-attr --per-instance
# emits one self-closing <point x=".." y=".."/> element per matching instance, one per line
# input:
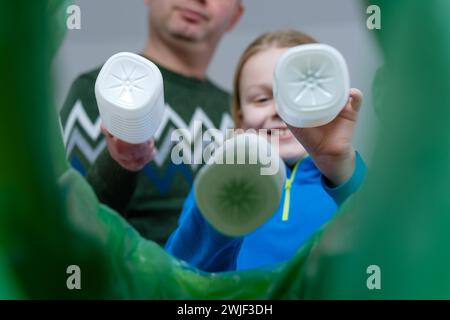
<point x="258" y="105"/>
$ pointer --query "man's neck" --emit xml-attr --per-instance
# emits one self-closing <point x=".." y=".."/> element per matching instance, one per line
<point x="190" y="60"/>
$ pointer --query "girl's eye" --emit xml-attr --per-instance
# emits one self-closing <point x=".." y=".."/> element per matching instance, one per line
<point x="262" y="100"/>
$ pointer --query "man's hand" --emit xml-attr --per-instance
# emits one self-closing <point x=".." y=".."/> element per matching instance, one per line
<point x="330" y="145"/>
<point x="132" y="157"/>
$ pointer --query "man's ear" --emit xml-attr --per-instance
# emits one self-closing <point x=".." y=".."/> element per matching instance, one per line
<point x="236" y="17"/>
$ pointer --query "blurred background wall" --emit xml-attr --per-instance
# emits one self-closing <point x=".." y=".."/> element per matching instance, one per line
<point x="111" y="26"/>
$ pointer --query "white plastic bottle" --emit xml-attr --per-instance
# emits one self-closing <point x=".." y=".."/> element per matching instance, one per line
<point x="130" y="97"/>
<point x="234" y="192"/>
<point x="311" y="85"/>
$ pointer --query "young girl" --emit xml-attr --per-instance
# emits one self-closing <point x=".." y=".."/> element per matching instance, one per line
<point x="316" y="183"/>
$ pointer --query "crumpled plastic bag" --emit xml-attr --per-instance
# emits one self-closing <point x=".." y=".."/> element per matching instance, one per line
<point x="50" y="218"/>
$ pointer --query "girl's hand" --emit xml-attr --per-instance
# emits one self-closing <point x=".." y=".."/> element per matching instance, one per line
<point x="330" y="145"/>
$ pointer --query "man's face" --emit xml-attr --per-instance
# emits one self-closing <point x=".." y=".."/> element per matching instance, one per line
<point x="194" y="20"/>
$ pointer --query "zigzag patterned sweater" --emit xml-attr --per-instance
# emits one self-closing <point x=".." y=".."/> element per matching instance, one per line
<point x="151" y="200"/>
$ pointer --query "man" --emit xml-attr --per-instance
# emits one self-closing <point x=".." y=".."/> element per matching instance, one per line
<point x="183" y="35"/>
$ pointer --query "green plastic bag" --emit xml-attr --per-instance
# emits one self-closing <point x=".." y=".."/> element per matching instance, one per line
<point x="400" y="221"/>
<point x="48" y="224"/>
<point x="50" y="218"/>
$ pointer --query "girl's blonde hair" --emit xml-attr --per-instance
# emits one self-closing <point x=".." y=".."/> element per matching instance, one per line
<point x="277" y="39"/>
